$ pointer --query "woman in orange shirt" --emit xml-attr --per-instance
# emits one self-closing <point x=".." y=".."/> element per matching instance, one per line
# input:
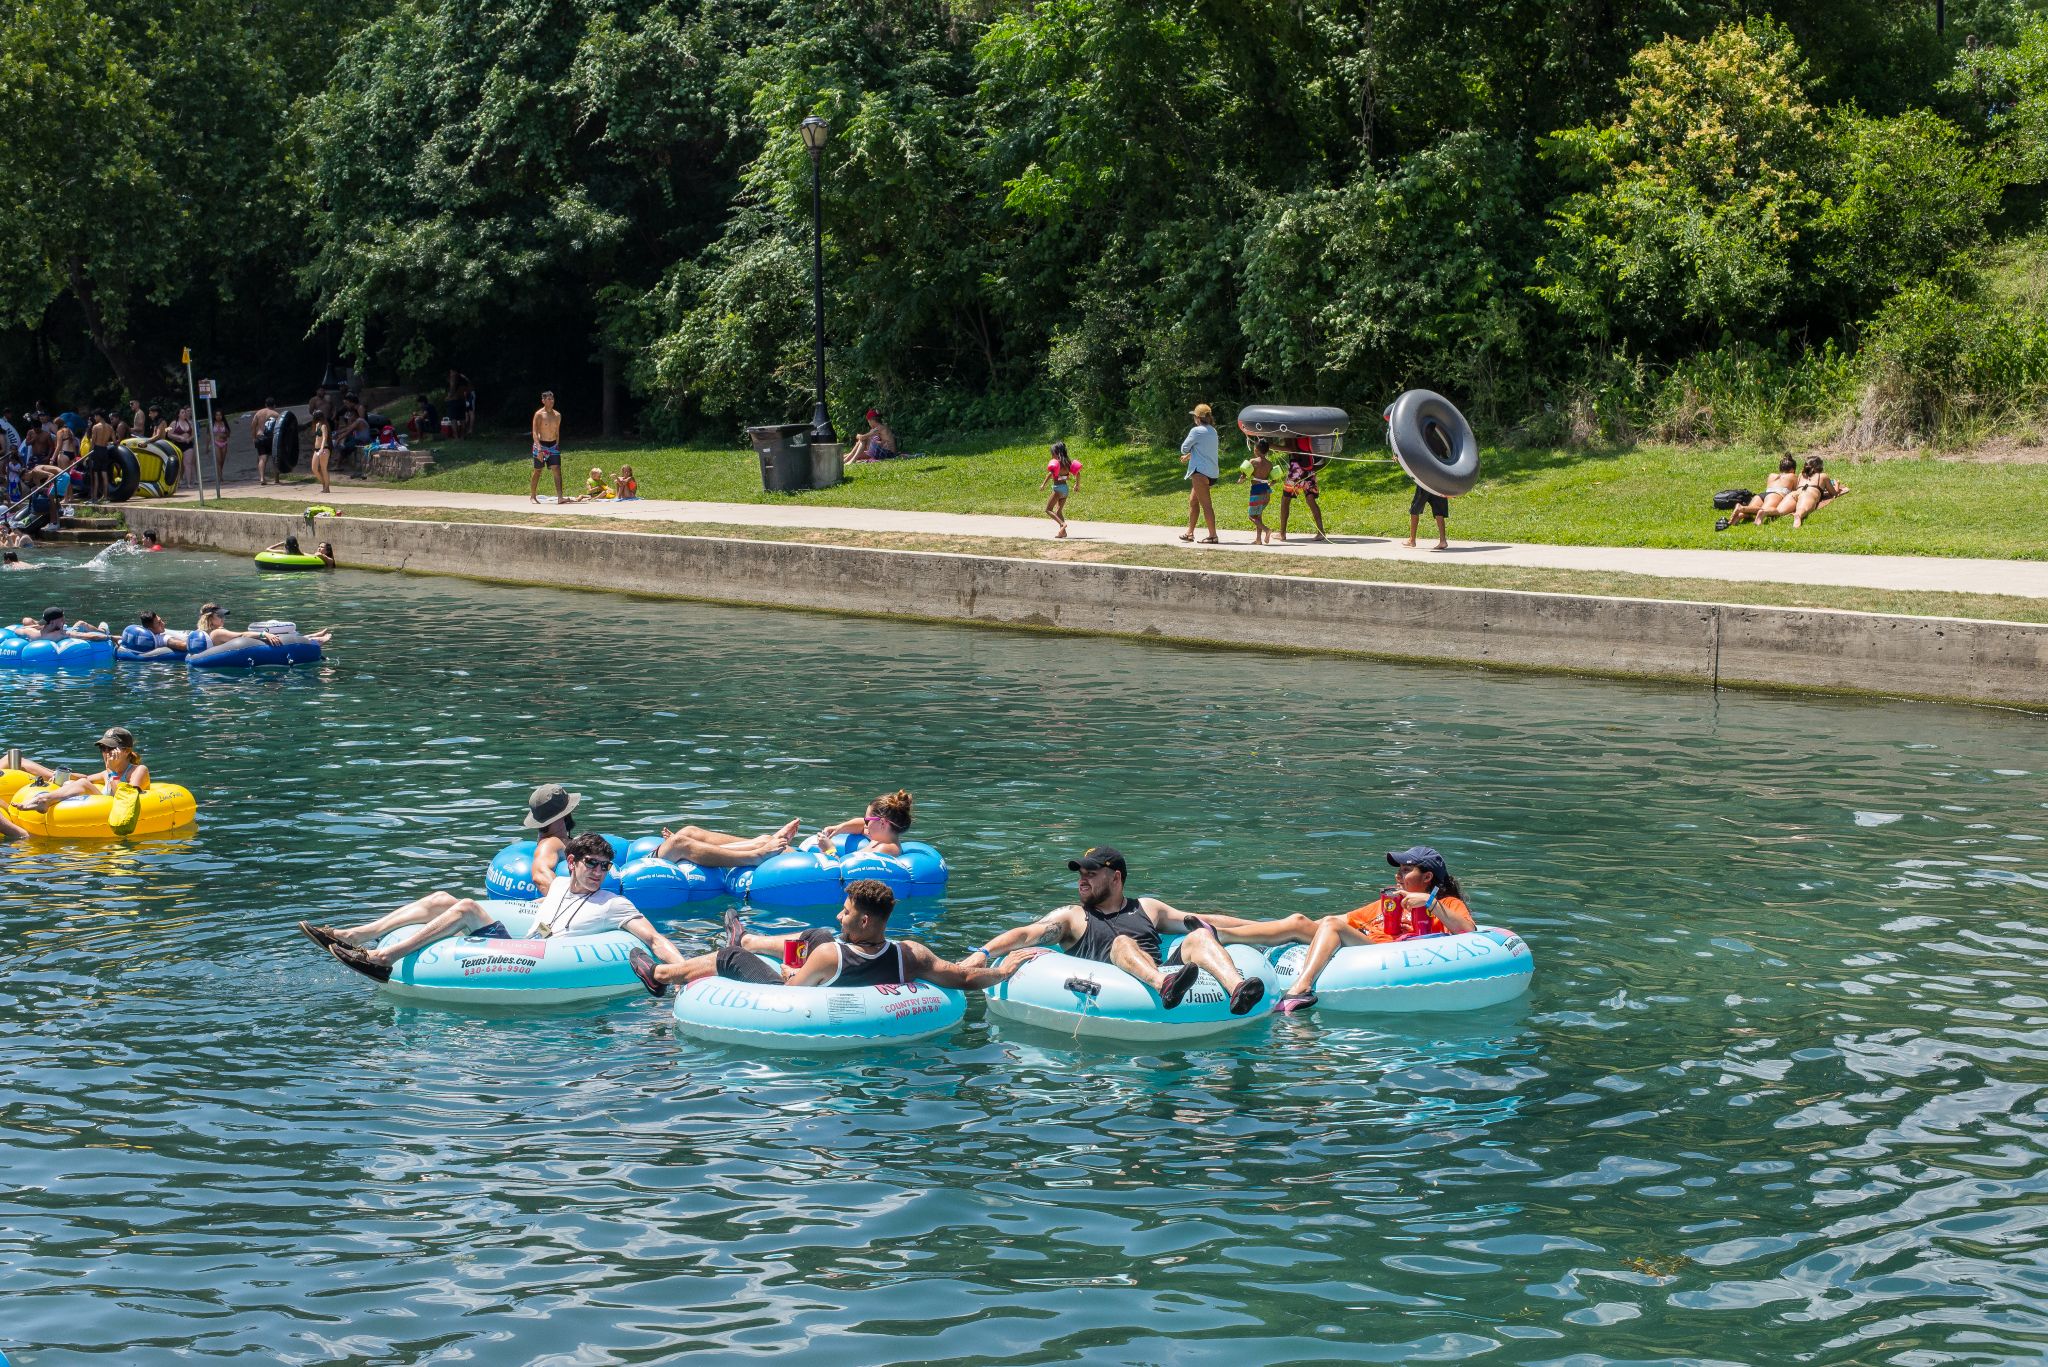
<point x="1425" y="900"/>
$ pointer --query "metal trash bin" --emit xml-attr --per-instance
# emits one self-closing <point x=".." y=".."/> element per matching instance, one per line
<point x="785" y="452"/>
<point x="828" y="464"/>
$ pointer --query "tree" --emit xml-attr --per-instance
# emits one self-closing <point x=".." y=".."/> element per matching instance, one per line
<point x="1700" y="192"/>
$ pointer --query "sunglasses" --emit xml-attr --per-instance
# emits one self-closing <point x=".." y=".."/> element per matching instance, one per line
<point x="595" y="863"/>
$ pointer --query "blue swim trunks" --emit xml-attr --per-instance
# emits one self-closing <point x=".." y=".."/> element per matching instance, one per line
<point x="547" y="454"/>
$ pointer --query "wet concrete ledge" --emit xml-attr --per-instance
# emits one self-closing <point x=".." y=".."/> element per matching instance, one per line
<point x="1715" y="644"/>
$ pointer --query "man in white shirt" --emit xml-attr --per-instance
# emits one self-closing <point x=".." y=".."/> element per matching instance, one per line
<point x="576" y="905"/>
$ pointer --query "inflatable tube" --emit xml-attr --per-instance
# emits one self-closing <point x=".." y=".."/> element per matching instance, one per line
<point x="12" y="781"/>
<point x="815" y="1019"/>
<point x="804" y="877"/>
<point x="655" y="884"/>
<point x="126" y="476"/>
<point x="510" y="876"/>
<point x="1431" y="973"/>
<point x="285" y="560"/>
<point x="157" y="465"/>
<point x="246" y="654"/>
<point x="1081" y="997"/>
<point x="165" y="807"/>
<point x="1433" y="443"/>
<point x="36" y="513"/>
<point x="32" y="652"/>
<point x="1286" y="420"/>
<point x="284" y="442"/>
<point x="563" y="968"/>
<point x="138" y="646"/>
<point x="321" y="510"/>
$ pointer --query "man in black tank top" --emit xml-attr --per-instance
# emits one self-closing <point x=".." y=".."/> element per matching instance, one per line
<point x="860" y="955"/>
<point x="1109" y="927"/>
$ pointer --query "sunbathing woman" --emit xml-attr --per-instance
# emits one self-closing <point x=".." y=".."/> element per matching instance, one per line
<point x="1815" y="489"/>
<point x="887" y="818"/>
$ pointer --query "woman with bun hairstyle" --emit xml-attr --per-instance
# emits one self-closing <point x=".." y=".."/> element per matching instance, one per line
<point x="884" y="823"/>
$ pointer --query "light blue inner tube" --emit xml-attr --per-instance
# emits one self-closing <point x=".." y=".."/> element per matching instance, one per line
<point x="658" y="885"/>
<point x="510" y="876"/>
<point x="32" y="652"/>
<point x="249" y="654"/>
<point x="138" y="645"/>
<point x="1082" y="997"/>
<point x="815" y="1019"/>
<point x="563" y="968"/>
<point x="1432" y="973"/>
<point x="804" y="877"/>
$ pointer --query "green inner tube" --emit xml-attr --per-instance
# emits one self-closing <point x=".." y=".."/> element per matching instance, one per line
<point x="285" y="560"/>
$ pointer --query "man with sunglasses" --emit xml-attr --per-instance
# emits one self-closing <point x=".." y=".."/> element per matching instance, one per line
<point x="576" y="905"/>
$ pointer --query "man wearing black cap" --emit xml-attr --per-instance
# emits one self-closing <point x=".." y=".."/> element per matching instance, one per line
<point x="1425" y="900"/>
<point x="53" y="628"/>
<point x="1109" y="927"/>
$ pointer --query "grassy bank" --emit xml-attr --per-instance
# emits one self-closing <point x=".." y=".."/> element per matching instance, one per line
<point x="1979" y="606"/>
<point x="1641" y="496"/>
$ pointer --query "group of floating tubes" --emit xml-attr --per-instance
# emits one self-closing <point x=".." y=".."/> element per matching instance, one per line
<point x="139" y="645"/>
<point x="164" y="807"/>
<point x="795" y="879"/>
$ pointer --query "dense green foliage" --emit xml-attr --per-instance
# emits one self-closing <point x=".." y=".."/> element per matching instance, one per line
<point x="1583" y="222"/>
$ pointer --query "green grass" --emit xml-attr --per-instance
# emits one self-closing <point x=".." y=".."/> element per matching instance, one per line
<point x="1983" y="607"/>
<point x="1642" y="496"/>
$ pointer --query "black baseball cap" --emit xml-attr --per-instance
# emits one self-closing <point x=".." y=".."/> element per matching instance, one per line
<point x="1100" y="857"/>
<point x="53" y="614"/>
<point x="1422" y="857"/>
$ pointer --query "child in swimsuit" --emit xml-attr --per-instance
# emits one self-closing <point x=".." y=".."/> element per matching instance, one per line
<point x="629" y="487"/>
<point x="1259" y="469"/>
<point x="1063" y="473"/>
<point x="1301" y="483"/>
<point x="595" y="487"/>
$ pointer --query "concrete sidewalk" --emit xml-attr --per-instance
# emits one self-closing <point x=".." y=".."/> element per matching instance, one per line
<point x="2020" y="578"/>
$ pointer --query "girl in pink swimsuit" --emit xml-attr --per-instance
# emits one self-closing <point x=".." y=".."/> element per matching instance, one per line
<point x="1063" y="473"/>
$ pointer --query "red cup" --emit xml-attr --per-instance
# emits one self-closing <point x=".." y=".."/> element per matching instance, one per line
<point x="793" y="953"/>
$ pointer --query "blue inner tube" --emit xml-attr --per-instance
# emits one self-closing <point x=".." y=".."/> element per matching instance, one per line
<point x="657" y="885"/>
<point x="138" y="645"/>
<point x="815" y="1019"/>
<point x="1081" y="997"/>
<point x="1432" y="973"/>
<point x="510" y="876"/>
<point x="563" y="968"/>
<point x="18" y="651"/>
<point x="805" y="877"/>
<point x="250" y="654"/>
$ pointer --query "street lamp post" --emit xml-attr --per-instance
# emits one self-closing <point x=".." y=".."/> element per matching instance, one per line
<point x="814" y="131"/>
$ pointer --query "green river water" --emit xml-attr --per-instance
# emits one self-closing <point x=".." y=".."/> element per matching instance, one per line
<point x="1777" y="1093"/>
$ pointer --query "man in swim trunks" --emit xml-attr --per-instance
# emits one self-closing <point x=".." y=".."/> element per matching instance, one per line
<point x="547" y="446"/>
<point x="576" y="905"/>
<point x="263" y="437"/>
<point x="1109" y="927"/>
<point x="860" y="955"/>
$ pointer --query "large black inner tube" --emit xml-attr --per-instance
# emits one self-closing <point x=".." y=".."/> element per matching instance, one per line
<point x="284" y="443"/>
<point x="126" y="474"/>
<point x="1284" y="420"/>
<point x="1433" y="443"/>
<point x="35" y="514"/>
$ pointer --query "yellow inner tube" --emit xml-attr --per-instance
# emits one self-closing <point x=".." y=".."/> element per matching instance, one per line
<point x="165" y="807"/>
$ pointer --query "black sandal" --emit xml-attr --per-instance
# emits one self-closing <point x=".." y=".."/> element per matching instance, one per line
<point x="1175" y="985"/>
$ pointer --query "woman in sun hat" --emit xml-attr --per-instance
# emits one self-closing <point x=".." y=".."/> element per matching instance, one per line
<point x="1198" y="451"/>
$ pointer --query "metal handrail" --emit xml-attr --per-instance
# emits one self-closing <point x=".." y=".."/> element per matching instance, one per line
<point x="7" y="513"/>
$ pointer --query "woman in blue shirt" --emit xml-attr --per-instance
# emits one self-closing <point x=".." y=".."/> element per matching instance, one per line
<point x="1198" y="453"/>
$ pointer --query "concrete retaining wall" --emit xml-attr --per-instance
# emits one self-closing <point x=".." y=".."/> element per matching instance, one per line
<point x="1706" y="643"/>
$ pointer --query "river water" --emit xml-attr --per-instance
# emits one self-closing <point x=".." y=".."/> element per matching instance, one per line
<point x="1777" y="1093"/>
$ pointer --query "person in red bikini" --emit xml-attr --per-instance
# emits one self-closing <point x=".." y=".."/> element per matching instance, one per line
<point x="1425" y="900"/>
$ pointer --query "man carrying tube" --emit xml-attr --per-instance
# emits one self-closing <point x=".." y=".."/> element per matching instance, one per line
<point x="860" y="955"/>
<point x="576" y="905"/>
<point x="1109" y="927"/>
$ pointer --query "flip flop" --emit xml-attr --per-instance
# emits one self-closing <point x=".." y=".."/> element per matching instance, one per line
<point x="1175" y="985"/>
<point x="642" y="965"/>
<point x="1246" y="995"/>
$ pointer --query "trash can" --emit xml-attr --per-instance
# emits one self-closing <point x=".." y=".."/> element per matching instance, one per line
<point x="828" y="464"/>
<point x="785" y="452"/>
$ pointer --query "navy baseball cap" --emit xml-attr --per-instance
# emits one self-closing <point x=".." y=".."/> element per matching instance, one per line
<point x="1100" y="857"/>
<point x="1422" y="857"/>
